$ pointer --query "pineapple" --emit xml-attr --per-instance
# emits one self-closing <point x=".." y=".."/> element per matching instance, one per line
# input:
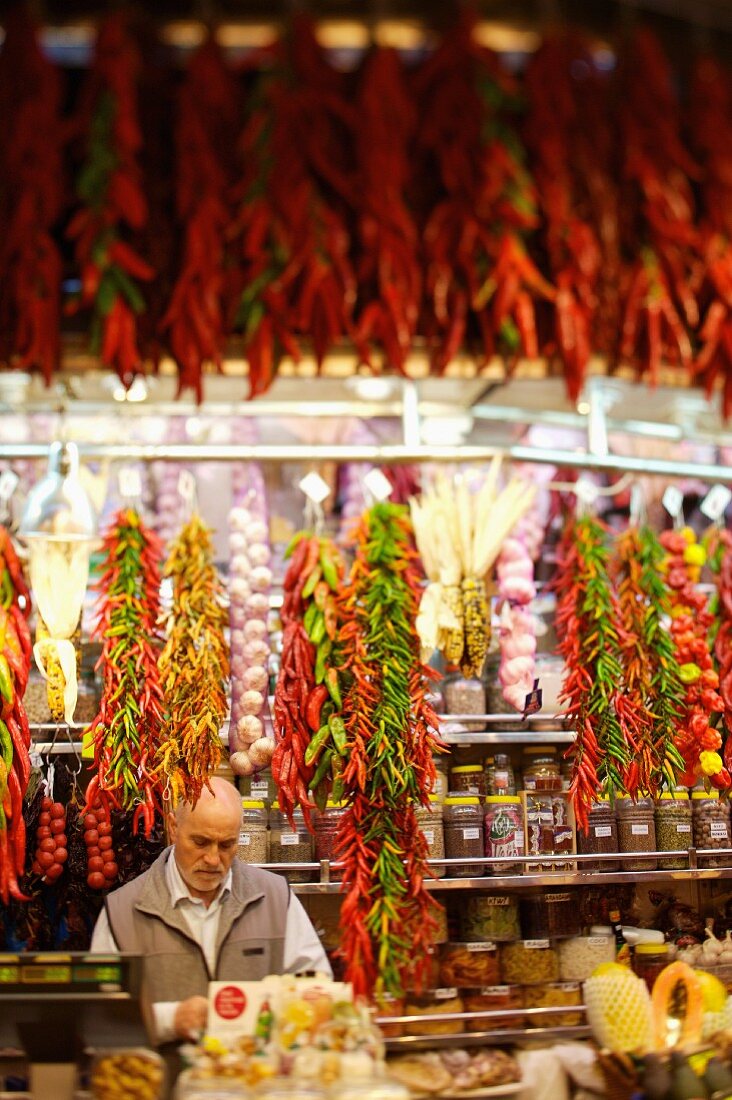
<point x="619" y="1011"/>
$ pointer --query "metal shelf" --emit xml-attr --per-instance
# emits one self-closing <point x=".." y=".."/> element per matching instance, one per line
<point x="408" y="1043"/>
<point x="509" y="737"/>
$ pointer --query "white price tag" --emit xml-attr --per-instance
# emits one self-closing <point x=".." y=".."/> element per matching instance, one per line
<point x="597" y="941"/>
<point x="244" y="840"/>
<point x="471" y="834"/>
<point x="637" y="501"/>
<point x="500" y="899"/>
<point x="718" y="830"/>
<point x="639" y="830"/>
<point x="445" y="994"/>
<point x="673" y="500"/>
<point x="715" y="502"/>
<point x="187" y="487"/>
<point x="289" y="838"/>
<point x="8" y="484"/>
<point x="536" y="945"/>
<point x="603" y="830"/>
<point x="429" y="835"/>
<point x="586" y="489"/>
<point x="129" y="482"/>
<point x="681" y="828"/>
<point x="487" y="946"/>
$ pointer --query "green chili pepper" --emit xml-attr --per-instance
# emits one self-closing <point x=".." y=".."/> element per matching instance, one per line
<point x="6" y="680"/>
<point x="317" y="743"/>
<point x="310" y="583"/>
<point x="6" y="745"/>
<point x="322" y="655"/>
<point x="309" y="618"/>
<point x="337" y="727"/>
<point x="328" y="566"/>
<point x="331" y="682"/>
<point x="322" y="769"/>
<point x="317" y="631"/>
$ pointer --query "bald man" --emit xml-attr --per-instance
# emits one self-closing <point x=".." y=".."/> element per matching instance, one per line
<point x="199" y="915"/>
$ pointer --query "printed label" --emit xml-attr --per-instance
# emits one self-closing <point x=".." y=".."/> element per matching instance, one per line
<point x="471" y="834"/>
<point x="715" y="502"/>
<point x="536" y="945"/>
<point x="445" y="994"/>
<point x="568" y="987"/>
<point x="245" y="839"/>
<point x="718" y="829"/>
<point x="499" y="899"/>
<point x="680" y="828"/>
<point x="289" y="838"/>
<point x="495" y="990"/>
<point x="8" y="484"/>
<point x="639" y="830"/>
<point x="672" y="500"/>
<point x="556" y="899"/>
<point x="529" y="784"/>
<point x="429" y="835"/>
<point x="603" y="830"/>
<point x="487" y="946"/>
<point x="597" y="941"/>
<point x="259" y="788"/>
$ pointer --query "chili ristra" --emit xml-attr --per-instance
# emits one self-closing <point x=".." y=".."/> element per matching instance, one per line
<point x="194" y="667"/>
<point x="128" y="728"/>
<point x="719" y="546"/>
<point x="387" y="916"/>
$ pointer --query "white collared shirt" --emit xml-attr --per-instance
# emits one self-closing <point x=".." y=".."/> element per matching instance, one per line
<point x="302" y="949"/>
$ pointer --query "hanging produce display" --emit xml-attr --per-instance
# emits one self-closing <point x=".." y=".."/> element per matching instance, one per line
<point x="112" y="202"/>
<point x="15" y="765"/>
<point x="719" y="545"/>
<point x="309" y="695"/>
<point x="459" y="538"/>
<point x="127" y="731"/>
<point x="194" y="667"/>
<point x="517" y="639"/>
<point x="387" y="916"/>
<point x="32" y="183"/>
<point x="101" y="859"/>
<point x="51" y="841"/>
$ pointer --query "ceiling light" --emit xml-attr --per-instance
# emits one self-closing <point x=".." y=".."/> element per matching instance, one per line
<point x="583" y="408"/>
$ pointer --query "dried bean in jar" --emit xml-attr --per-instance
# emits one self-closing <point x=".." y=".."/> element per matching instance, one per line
<point x="711" y="821"/>
<point x="552" y="914"/>
<point x="253" y="844"/>
<point x="673" y="828"/>
<point x="463" y="823"/>
<point x="637" y="832"/>
<point x="288" y="845"/>
<point x="601" y="837"/>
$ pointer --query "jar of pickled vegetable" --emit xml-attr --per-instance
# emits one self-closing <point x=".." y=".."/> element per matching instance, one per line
<point x="673" y="828"/>
<point x="288" y="844"/>
<point x="463" y="823"/>
<point x="467" y="779"/>
<point x="502" y="781"/>
<point x="637" y="832"/>
<point x="711" y="826"/>
<point x="504" y="832"/>
<point x="601" y="837"/>
<point x="429" y="819"/>
<point x="253" y="844"/>
<point x="327" y="824"/>
<point x="541" y="770"/>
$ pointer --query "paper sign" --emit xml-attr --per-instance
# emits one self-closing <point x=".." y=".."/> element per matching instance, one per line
<point x="8" y="484"/>
<point x="673" y="500"/>
<point x="233" y="1007"/>
<point x="129" y="482"/>
<point x="534" y="700"/>
<point x="713" y="506"/>
<point x="187" y="487"/>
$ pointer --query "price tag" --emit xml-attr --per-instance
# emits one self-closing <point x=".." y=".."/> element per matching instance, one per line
<point x="445" y="994"/>
<point x="636" y="503"/>
<point x="187" y="487"/>
<point x="603" y="830"/>
<point x="289" y="838"/>
<point x="244" y="840"/>
<point x="639" y="830"/>
<point x="471" y="834"/>
<point x="597" y="941"/>
<point x="673" y="501"/>
<point x="682" y="828"/>
<point x="8" y="484"/>
<point x="495" y="990"/>
<point x="429" y="835"/>
<point x="718" y="830"/>
<point x="713" y="506"/>
<point x="487" y="946"/>
<point x="536" y="945"/>
<point x="534" y="700"/>
<point x="129" y="482"/>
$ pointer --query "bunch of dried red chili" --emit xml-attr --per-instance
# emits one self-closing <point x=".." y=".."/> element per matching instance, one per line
<point x="204" y="135"/>
<point x="128" y="728"/>
<point x="387" y="915"/>
<point x="112" y="202"/>
<point x="32" y="188"/>
<point x="720" y="554"/>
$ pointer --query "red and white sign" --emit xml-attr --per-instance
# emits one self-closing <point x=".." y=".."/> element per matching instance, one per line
<point x="230" y="1002"/>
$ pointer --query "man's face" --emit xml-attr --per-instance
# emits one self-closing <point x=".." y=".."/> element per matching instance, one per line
<point x="205" y="845"/>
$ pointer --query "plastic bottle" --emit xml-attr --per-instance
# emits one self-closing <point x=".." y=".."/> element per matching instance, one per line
<point x="622" y="948"/>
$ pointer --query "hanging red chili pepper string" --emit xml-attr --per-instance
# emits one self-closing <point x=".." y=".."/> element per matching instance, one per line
<point x="204" y="133"/>
<point x="588" y="626"/>
<point x="720" y="553"/>
<point x="128" y="728"/>
<point x="387" y="916"/>
<point x="113" y="205"/>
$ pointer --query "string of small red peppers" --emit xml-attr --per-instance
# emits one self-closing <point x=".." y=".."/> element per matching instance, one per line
<point x="719" y="548"/>
<point x="113" y="204"/>
<point x="128" y="728"/>
<point x="387" y="916"/>
<point x="691" y="619"/>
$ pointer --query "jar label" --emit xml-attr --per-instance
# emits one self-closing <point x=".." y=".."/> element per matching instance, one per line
<point x="568" y="987"/>
<point x="487" y="946"/>
<point x="259" y="788"/>
<point x="471" y="834"/>
<point x="289" y="838"/>
<point x="498" y="899"/>
<point x="718" y="829"/>
<point x="556" y="899"/>
<point x="598" y="941"/>
<point x="529" y="784"/>
<point x="536" y="945"/>
<point x="500" y="778"/>
<point x="244" y="839"/>
<point x="603" y="830"/>
<point x="639" y="830"/>
<point x="683" y="828"/>
<point x="429" y="835"/>
<point x="495" y="990"/>
<point x="445" y="994"/>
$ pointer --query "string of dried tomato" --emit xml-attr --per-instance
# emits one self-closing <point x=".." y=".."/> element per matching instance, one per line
<point x="649" y="702"/>
<point x="113" y="204"/>
<point x="387" y="916"/>
<point x="128" y="728"/>
<point x="194" y="666"/>
<point x="588" y="626"/>
<point x="719" y="548"/>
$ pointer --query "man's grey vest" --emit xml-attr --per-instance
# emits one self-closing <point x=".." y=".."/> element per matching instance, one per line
<point x="251" y="936"/>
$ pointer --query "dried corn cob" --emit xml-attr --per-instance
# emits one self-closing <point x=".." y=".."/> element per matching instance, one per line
<point x="452" y="638"/>
<point x="55" y="680"/>
<point x="476" y="626"/>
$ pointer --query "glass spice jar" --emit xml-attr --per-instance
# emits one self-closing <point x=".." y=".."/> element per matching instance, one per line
<point x="541" y="770"/>
<point x="253" y="844"/>
<point x="288" y="844"/>
<point x="649" y="959"/>
<point x="489" y="767"/>
<point x="637" y="832"/>
<point x="711" y="826"/>
<point x="601" y="837"/>
<point x="327" y="824"/>
<point x="466" y="696"/>
<point x="551" y="914"/>
<point x="440" y="786"/>
<point x="489" y="918"/>
<point x="504" y="832"/>
<point x="502" y="781"/>
<point x="467" y="779"/>
<point x="673" y="828"/>
<point x="463" y="826"/>
<point x="429" y="820"/>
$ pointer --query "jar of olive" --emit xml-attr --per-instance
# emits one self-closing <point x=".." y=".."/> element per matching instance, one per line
<point x="673" y="828"/>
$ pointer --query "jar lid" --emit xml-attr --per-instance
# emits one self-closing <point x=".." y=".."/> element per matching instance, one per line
<point x="704" y="794"/>
<point x="601" y="798"/>
<point x="330" y="805"/>
<point x="252" y="804"/>
<point x="467" y="800"/>
<point x="676" y="796"/>
<point x="490" y="760"/>
<point x="651" y="949"/>
<point x="601" y="930"/>
<point x="513" y="799"/>
<point x="434" y="798"/>
<point x="536" y="750"/>
<point x="467" y="769"/>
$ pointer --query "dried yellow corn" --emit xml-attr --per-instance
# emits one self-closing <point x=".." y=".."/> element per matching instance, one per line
<point x="55" y="679"/>
<point x="452" y="639"/>
<point x="476" y="627"/>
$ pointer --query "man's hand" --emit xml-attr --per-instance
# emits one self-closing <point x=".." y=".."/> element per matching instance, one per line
<point x="190" y="1017"/>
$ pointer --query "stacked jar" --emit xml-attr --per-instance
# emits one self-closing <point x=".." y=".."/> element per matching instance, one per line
<point x="429" y="820"/>
<point x="673" y="828"/>
<point x="601" y="837"/>
<point x="463" y="825"/>
<point x="327" y="825"/>
<point x="504" y="833"/>
<point x="541" y="770"/>
<point x="253" y="844"/>
<point x="637" y="832"/>
<point x="500" y="780"/>
<point x="711" y="824"/>
<point x="288" y="844"/>
<point x="467" y="779"/>
<point x="463" y="696"/>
